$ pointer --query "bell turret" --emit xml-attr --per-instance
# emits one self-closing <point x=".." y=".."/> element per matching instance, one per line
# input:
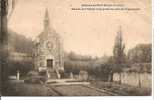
<point x="46" y="20"/>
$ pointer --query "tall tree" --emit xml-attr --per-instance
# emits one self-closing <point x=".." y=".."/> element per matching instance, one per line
<point x="3" y="41"/>
<point x="118" y="54"/>
<point x="4" y="8"/>
<point x="118" y="50"/>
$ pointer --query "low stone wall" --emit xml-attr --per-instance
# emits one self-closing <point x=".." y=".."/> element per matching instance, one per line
<point x="143" y="80"/>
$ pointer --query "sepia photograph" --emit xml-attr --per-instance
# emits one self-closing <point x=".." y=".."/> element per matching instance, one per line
<point x="76" y="48"/>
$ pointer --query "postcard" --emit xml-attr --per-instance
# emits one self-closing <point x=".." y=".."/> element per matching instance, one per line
<point x="76" y="48"/>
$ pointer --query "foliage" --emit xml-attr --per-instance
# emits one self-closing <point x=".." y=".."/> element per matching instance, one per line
<point x="118" y="50"/>
<point x="24" y="67"/>
<point x="20" y="43"/>
<point x="75" y="66"/>
<point x="75" y="62"/>
<point x="76" y="57"/>
<point x="95" y="67"/>
<point x="141" y="53"/>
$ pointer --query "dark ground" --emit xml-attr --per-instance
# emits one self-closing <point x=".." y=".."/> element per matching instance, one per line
<point x="123" y="89"/>
<point x="18" y="88"/>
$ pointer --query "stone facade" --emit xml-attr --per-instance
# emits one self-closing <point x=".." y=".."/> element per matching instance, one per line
<point x="49" y="49"/>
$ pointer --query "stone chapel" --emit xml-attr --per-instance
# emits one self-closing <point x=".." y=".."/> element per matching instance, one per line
<point x="49" y="50"/>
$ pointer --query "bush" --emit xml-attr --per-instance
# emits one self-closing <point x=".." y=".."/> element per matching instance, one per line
<point x="23" y="66"/>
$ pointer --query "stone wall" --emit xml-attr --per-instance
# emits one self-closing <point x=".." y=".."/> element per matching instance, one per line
<point x="143" y="80"/>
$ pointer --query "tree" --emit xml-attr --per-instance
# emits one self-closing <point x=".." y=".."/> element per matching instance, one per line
<point x="19" y="43"/>
<point x="119" y="57"/>
<point x="141" y="53"/>
<point x="118" y="50"/>
<point x="3" y="38"/>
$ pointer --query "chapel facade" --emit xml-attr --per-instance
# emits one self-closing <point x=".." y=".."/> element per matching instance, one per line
<point x="49" y="50"/>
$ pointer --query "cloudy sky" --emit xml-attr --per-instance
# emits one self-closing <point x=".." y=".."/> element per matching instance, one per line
<point x="85" y="32"/>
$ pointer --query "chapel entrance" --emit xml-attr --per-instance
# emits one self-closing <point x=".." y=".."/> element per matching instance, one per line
<point x="50" y="63"/>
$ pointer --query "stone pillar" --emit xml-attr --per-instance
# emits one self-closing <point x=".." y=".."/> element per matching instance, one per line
<point x="71" y="75"/>
<point x="18" y="75"/>
<point x="48" y="74"/>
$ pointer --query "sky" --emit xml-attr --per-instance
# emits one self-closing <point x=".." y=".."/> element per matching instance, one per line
<point x="85" y="32"/>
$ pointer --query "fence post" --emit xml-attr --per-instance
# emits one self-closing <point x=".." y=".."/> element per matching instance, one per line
<point x="139" y="83"/>
<point x="120" y="78"/>
<point x="18" y="75"/>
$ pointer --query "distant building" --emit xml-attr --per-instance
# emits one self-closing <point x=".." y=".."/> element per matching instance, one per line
<point x="49" y="50"/>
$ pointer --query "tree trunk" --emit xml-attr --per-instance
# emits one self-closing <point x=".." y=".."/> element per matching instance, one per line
<point x="3" y="43"/>
<point x="110" y="78"/>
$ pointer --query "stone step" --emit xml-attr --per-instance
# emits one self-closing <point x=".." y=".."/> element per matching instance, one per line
<point x="53" y="75"/>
